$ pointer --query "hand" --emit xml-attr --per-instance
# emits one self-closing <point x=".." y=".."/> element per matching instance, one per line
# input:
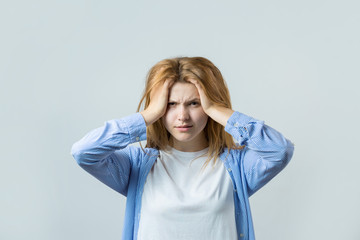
<point x="217" y="113"/>
<point x="206" y="104"/>
<point x="158" y="102"/>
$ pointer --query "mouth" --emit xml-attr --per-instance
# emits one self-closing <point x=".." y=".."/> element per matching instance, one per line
<point x="184" y="127"/>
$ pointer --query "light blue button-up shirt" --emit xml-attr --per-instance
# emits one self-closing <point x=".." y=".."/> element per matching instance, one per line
<point x="106" y="154"/>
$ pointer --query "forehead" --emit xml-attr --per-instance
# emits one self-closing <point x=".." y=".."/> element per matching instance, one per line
<point x="183" y="91"/>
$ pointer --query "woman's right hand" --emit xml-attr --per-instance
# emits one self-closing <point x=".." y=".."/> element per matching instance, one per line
<point x="158" y="102"/>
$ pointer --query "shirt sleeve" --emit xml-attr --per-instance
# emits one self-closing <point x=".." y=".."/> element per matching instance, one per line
<point x="105" y="154"/>
<point x="266" y="150"/>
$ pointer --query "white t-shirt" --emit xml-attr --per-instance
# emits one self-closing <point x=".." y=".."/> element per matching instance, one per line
<point x="180" y="202"/>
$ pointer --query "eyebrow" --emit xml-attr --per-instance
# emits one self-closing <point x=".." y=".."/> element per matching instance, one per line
<point x="192" y="100"/>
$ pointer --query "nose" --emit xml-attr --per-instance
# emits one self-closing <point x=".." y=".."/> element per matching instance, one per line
<point x="183" y="113"/>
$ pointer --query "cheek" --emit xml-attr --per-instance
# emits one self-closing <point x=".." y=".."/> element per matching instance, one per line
<point x="167" y="119"/>
<point x="202" y="118"/>
<point x="205" y="119"/>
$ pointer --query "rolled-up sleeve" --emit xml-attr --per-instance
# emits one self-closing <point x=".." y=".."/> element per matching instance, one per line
<point x="104" y="151"/>
<point x="266" y="150"/>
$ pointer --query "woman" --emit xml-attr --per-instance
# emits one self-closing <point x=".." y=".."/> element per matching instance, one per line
<point x="187" y="122"/>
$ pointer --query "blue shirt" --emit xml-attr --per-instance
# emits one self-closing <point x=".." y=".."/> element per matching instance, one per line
<point x="106" y="154"/>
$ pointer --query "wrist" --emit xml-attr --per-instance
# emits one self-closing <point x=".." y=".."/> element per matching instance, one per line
<point x="149" y="117"/>
<point x="220" y="114"/>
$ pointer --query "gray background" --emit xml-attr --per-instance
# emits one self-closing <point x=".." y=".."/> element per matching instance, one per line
<point x="68" y="66"/>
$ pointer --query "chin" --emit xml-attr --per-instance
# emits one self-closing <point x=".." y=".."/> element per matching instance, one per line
<point x="183" y="138"/>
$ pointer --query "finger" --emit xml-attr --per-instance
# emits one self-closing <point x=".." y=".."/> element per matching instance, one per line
<point x="197" y="85"/>
<point x="166" y="88"/>
<point x="157" y="90"/>
<point x="170" y="82"/>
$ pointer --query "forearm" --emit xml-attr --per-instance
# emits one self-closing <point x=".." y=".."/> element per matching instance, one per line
<point x="220" y="114"/>
<point x="149" y="117"/>
<point x="266" y="153"/>
<point x="103" y="152"/>
<point x="267" y="142"/>
<point x="113" y="135"/>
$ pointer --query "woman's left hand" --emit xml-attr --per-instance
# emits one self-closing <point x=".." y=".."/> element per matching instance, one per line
<point x="218" y="113"/>
<point x="205" y="102"/>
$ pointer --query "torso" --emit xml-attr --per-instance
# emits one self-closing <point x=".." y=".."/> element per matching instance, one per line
<point x="181" y="202"/>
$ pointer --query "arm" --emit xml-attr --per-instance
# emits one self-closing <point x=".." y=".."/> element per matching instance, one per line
<point x="105" y="154"/>
<point x="267" y="151"/>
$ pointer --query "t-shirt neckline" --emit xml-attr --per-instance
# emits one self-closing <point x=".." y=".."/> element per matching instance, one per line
<point x="188" y="154"/>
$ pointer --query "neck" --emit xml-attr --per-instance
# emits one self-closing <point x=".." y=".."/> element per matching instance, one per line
<point x="192" y="146"/>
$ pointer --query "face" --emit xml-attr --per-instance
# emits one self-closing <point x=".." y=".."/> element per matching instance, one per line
<point x="185" y="119"/>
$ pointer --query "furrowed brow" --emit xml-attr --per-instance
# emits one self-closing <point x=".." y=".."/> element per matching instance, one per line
<point x="192" y="100"/>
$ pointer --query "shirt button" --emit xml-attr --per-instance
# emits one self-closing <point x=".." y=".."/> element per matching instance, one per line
<point x="241" y="235"/>
<point x="137" y="138"/>
<point x="236" y="124"/>
<point x="229" y="169"/>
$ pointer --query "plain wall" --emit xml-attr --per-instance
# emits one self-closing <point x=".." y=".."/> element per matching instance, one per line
<point x="66" y="67"/>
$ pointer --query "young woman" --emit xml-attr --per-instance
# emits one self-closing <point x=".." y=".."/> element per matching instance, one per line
<point x="188" y="122"/>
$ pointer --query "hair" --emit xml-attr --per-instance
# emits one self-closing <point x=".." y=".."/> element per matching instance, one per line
<point x="181" y="69"/>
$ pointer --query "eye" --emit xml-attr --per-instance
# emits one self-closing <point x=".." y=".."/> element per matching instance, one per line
<point x="194" y="103"/>
<point x="171" y="103"/>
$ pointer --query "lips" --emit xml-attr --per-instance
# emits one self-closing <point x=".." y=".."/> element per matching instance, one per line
<point x="184" y="126"/>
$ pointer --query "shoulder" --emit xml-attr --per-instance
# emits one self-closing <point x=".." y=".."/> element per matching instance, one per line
<point x="140" y="155"/>
<point x="232" y="154"/>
